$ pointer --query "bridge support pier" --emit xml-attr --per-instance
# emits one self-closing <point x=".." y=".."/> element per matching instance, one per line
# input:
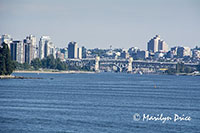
<point x="96" y="67"/>
<point x="130" y="68"/>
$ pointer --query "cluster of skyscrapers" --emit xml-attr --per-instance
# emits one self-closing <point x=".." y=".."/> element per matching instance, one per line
<point x="25" y="51"/>
<point x="28" y="49"/>
<point x="21" y="51"/>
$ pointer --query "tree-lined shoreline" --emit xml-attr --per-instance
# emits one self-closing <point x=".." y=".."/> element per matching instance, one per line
<point x="46" y="65"/>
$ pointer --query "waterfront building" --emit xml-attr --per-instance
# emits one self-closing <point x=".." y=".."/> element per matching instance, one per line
<point x="46" y="47"/>
<point x="29" y="48"/>
<point x="72" y="50"/>
<point x="49" y="49"/>
<point x="42" y="42"/>
<point x="17" y="51"/>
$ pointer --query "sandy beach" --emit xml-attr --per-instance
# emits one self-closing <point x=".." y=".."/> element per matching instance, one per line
<point x="53" y="72"/>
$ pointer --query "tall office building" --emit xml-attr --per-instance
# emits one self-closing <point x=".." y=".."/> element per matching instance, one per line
<point x="46" y="47"/>
<point x="72" y="50"/>
<point x="43" y="40"/>
<point x="17" y="51"/>
<point x="157" y="45"/>
<point x="49" y="49"/>
<point x="152" y="45"/>
<point x="33" y="43"/>
<point x="29" y="48"/>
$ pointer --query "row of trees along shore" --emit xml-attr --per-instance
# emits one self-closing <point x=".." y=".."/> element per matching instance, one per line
<point x="181" y="68"/>
<point x="7" y="66"/>
<point x="48" y="63"/>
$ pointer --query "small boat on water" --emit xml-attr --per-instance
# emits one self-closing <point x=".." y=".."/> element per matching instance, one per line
<point x="140" y="73"/>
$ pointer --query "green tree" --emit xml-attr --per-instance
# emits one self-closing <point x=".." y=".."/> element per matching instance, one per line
<point x="8" y="61"/>
<point x="60" y="65"/>
<point x="171" y="71"/>
<point x="188" y="70"/>
<point x="2" y="64"/>
<point x="17" y="65"/>
<point x="26" y="66"/>
<point x="6" y="64"/>
<point x="49" y="62"/>
<point x="36" y="63"/>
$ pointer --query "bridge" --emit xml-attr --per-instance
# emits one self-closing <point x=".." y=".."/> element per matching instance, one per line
<point x="127" y="65"/>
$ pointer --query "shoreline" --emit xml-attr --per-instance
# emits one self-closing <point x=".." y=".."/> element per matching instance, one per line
<point x="90" y="72"/>
<point x="53" y="72"/>
<point x="17" y="77"/>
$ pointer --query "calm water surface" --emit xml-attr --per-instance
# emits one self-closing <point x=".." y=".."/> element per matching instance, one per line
<point x="98" y="103"/>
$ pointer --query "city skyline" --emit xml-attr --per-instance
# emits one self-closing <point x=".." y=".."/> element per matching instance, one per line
<point x="28" y="49"/>
<point x="37" y="42"/>
<point x="122" y="24"/>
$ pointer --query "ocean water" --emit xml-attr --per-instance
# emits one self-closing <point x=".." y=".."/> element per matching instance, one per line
<point x="99" y="103"/>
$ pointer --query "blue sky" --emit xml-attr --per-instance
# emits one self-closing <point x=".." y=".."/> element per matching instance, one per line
<point x="101" y="23"/>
